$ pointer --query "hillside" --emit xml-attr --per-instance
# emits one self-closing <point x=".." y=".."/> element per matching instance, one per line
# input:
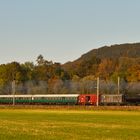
<point x="78" y="76"/>
<point x="113" y="52"/>
<point x="91" y="59"/>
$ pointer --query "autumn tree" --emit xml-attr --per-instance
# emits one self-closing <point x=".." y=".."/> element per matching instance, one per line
<point x="134" y="73"/>
<point x="88" y="66"/>
<point x="106" y="68"/>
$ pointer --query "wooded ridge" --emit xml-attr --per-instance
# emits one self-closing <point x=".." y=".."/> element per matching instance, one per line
<point x="79" y="76"/>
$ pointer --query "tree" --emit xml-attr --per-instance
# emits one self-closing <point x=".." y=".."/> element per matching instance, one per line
<point x="40" y="60"/>
<point x="28" y="71"/>
<point x="106" y="68"/>
<point x="134" y="73"/>
<point x="88" y="67"/>
<point x="14" y="71"/>
<point x="3" y="74"/>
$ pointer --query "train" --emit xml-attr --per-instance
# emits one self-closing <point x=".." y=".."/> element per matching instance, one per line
<point x="71" y="99"/>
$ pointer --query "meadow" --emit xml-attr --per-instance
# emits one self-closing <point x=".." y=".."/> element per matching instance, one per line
<point x="63" y="124"/>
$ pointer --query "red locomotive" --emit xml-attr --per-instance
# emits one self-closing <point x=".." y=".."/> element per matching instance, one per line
<point x="87" y="99"/>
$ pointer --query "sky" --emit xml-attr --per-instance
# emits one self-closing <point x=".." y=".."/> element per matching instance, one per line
<point x="63" y="30"/>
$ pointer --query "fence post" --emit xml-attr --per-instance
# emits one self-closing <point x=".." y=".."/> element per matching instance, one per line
<point x="98" y="84"/>
<point x="118" y="85"/>
<point x="13" y="90"/>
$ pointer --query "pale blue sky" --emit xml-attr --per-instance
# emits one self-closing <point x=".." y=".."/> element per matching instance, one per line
<point x="62" y="30"/>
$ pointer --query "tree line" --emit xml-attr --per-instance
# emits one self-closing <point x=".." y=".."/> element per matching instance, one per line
<point x="107" y="68"/>
<point x="50" y="77"/>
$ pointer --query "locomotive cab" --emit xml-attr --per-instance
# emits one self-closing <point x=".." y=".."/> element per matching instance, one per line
<point x="87" y="99"/>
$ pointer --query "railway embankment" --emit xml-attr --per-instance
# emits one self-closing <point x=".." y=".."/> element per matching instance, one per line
<point x="73" y="107"/>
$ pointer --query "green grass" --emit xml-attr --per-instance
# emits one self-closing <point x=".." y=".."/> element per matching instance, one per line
<point x="42" y="124"/>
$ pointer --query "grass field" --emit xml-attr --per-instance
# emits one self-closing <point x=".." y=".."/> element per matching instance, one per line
<point x="45" y="124"/>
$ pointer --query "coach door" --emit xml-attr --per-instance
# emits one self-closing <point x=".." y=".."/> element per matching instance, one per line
<point x="87" y="99"/>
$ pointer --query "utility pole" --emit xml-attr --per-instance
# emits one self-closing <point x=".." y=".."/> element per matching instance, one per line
<point x="98" y="84"/>
<point x="118" y="85"/>
<point x="13" y="90"/>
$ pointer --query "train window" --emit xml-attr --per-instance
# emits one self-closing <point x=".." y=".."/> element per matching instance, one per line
<point x="87" y="98"/>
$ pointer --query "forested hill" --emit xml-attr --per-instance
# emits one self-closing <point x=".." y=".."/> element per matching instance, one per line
<point x="115" y="56"/>
<point x="107" y="63"/>
<point x="113" y="52"/>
